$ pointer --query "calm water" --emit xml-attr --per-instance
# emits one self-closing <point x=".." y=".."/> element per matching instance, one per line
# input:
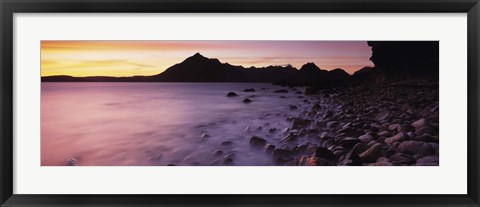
<point x="159" y="123"/>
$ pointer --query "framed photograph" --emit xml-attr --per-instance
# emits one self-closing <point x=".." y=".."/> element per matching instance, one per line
<point x="239" y="103"/>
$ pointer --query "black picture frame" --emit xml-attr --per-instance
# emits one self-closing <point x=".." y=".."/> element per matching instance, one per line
<point x="10" y="7"/>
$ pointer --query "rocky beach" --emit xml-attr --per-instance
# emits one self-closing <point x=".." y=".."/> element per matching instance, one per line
<point x="374" y="125"/>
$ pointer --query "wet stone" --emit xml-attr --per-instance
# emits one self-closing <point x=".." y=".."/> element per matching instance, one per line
<point x="269" y="148"/>
<point x="231" y="94"/>
<point x="257" y="141"/>
<point x="72" y="162"/>
<point x="226" y="143"/>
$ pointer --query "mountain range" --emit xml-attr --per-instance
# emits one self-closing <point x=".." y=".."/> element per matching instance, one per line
<point x="198" y="68"/>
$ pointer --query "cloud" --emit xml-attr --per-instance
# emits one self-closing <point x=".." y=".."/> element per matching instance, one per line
<point x="57" y="65"/>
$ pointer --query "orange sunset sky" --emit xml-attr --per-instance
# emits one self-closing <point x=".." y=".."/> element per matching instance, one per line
<point x="129" y="58"/>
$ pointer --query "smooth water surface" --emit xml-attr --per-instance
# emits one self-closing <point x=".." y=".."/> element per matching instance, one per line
<point x="160" y="123"/>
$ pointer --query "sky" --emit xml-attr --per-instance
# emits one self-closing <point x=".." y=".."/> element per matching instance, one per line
<point x="129" y="58"/>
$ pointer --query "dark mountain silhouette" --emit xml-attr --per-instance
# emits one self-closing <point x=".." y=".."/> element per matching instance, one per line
<point x="364" y="71"/>
<point x="394" y="60"/>
<point x="198" y="68"/>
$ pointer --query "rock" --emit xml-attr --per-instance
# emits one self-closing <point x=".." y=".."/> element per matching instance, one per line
<point x="292" y="107"/>
<point x="326" y="135"/>
<point x="302" y="161"/>
<point x="204" y="135"/>
<point x="418" y="156"/>
<point x="434" y="147"/>
<point x="272" y="130"/>
<point x="421" y="123"/>
<point x="281" y="153"/>
<point x="311" y="149"/>
<point x="228" y="161"/>
<point x="324" y="153"/>
<point x="349" y="142"/>
<point x="281" y="91"/>
<point x="393" y="127"/>
<point x="291" y="162"/>
<point x="283" y="160"/>
<point x="72" y="162"/>
<point x="430" y="160"/>
<point x="331" y="124"/>
<point x="372" y="153"/>
<point x="383" y="159"/>
<point x="328" y="114"/>
<point x="415" y="147"/>
<point x="382" y="116"/>
<point x="299" y="149"/>
<point x="401" y="158"/>
<point x="226" y="143"/>
<point x="289" y="138"/>
<point x="425" y="138"/>
<point x="347" y="125"/>
<point x="397" y="138"/>
<point x="229" y="156"/>
<point x="247" y="100"/>
<point x="257" y="141"/>
<point x="249" y="90"/>
<point x="300" y="123"/>
<point x="339" y="152"/>
<point x="316" y="107"/>
<point x="347" y="131"/>
<point x="231" y="94"/>
<point x="403" y="128"/>
<point x="326" y="143"/>
<point x="371" y="143"/>
<point x="359" y="148"/>
<point x="217" y="152"/>
<point x="424" y="131"/>
<point x="366" y="138"/>
<point x="269" y="148"/>
<point x="317" y="161"/>
<point x="384" y="134"/>
<point x="381" y="163"/>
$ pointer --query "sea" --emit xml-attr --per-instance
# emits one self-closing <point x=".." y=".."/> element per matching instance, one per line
<point x="160" y="124"/>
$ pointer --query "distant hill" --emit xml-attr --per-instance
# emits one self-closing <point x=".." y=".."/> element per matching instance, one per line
<point x="198" y="68"/>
